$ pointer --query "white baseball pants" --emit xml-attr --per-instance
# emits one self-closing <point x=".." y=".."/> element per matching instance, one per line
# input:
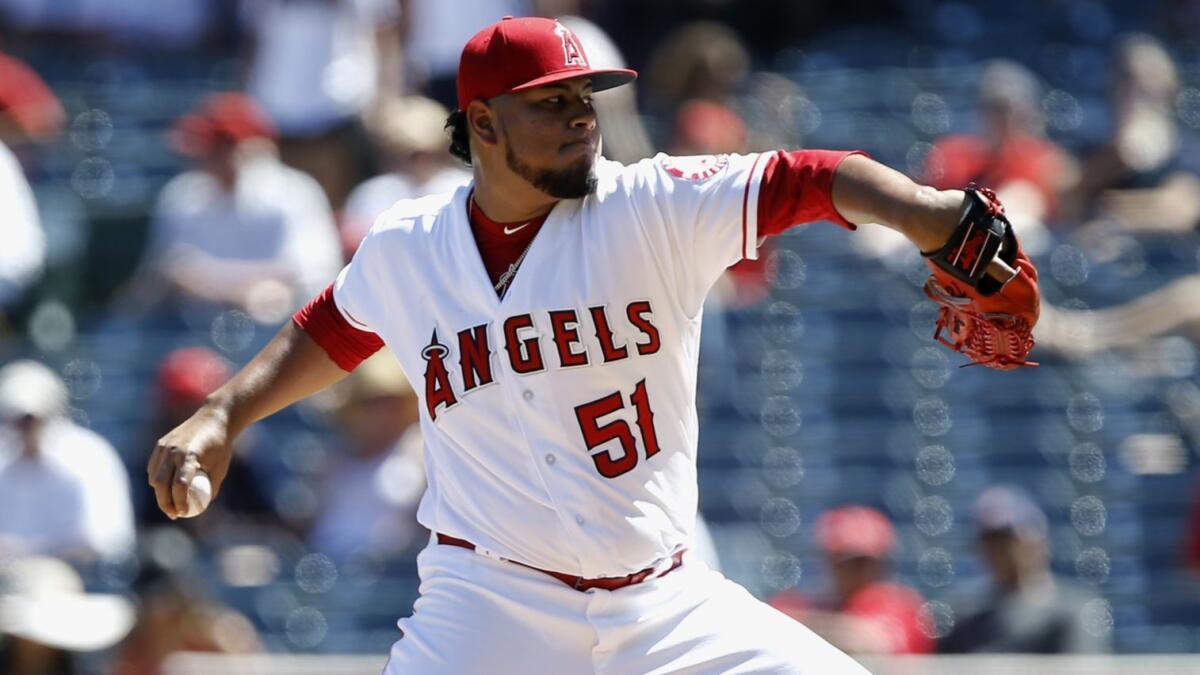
<point x="479" y="615"/>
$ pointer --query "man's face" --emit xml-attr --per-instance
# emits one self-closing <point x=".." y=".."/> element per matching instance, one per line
<point x="550" y="137"/>
<point x="220" y="161"/>
<point x="28" y="429"/>
<point x="852" y="573"/>
<point x="1009" y="555"/>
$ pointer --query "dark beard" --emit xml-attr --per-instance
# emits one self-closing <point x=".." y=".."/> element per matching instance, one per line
<point x="573" y="182"/>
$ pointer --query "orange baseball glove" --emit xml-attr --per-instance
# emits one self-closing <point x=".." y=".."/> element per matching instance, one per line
<point x="988" y="320"/>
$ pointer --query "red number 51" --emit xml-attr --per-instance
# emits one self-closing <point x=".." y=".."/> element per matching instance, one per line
<point x="596" y="434"/>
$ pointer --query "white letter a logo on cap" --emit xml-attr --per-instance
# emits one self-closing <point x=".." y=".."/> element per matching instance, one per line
<point x="572" y="52"/>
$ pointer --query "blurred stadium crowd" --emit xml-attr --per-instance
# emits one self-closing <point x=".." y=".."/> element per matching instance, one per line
<point x="178" y="176"/>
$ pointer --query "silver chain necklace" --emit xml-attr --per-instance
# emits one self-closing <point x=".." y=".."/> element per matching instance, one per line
<point x="505" y="279"/>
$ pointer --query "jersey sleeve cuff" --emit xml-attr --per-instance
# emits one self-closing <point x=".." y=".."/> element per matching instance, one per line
<point x="346" y="344"/>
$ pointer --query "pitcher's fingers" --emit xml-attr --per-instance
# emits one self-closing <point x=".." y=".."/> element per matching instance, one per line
<point x="152" y="465"/>
<point x="180" y="484"/>
<point x="163" y="478"/>
<point x="162" y="494"/>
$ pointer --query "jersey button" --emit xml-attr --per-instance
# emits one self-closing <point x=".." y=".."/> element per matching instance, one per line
<point x="578" y="519"/>
<point x="550" y="458"/>
<point x="527" y="394"/>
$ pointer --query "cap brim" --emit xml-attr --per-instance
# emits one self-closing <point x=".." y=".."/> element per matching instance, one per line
<point x="601" y="78"/>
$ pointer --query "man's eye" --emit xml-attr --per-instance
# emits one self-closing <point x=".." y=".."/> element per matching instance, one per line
<point x="553" y="100"/>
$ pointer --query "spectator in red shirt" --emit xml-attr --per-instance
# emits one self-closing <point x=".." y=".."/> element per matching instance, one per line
<point x="1012" y="155"/>
<point x="866" y="613"/>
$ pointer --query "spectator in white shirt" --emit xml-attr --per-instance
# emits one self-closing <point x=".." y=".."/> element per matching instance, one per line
<point x="23" y="253"/>
<point x="438" y="29"/>
<point x="29" y="111"/>
<point x="317" y="66"/>
<point x="409" y="134"/>
<point x="241" y="230"/>
<point x="63" y="489"/>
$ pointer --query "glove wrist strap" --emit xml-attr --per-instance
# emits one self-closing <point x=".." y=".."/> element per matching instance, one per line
<point x="983" y="235"/>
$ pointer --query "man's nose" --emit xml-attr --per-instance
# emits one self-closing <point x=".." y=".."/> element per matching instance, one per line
<point x="584" y="118"/>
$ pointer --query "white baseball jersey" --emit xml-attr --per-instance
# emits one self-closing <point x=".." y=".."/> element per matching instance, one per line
<point x="560" y="421"/>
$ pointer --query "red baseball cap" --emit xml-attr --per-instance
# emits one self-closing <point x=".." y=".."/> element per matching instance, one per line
<point x="27" y="100"/>
<point x="852" y="531"/>
<point x="189" y="374"/>
<point x="225" y="116"/>
<point x="516" y="54"/>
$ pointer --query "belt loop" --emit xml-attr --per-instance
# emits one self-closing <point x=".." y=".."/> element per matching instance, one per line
<point x="489" y="553"/>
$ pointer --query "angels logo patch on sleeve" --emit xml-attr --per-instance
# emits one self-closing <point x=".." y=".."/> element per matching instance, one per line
<point x="696" y="168"/>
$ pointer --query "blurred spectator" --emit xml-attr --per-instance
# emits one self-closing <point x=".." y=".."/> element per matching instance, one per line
<point x="63" y="488"/>
<point x="707" y="128"/>
<point x="435" y="32"/>
<point x="47" y="620"/>
<point x="241" y="230"/>
<point x="625" y="137"/>
<point x="174" y="616"/>
<point x="1081" y="333"/>
<point x="708" y="61"/>
<point x="865" y="612"/>
<point x="368" y="502"/>
<point x="1012" y="155"/>
<point x="24" y="251"/>
<point x="699" y="60"/>
<point x="409" y="135"/>
<point x="1027" y="609"/>
<point x="1141" y="177"/>
<point x="317" y="67"/>
<point x="185" y="377"/>
<point x="28" y="109"/>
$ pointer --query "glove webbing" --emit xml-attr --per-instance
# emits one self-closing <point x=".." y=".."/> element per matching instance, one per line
<point x="991" y="338"/>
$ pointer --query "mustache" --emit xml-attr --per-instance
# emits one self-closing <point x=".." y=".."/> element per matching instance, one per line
<point x="590" y="142"/>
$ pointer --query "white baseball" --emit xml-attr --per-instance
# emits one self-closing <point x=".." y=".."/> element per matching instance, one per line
<point x="199" y="494"/>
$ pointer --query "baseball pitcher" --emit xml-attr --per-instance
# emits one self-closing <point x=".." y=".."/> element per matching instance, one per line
<point x="548" y="314"/>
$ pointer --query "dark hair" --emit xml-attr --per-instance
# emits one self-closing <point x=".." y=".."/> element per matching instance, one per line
<point x="460" y="141"/>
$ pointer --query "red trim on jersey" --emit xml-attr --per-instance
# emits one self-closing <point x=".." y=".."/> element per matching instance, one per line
<point x="797" y="187"/>
<point x="346" y="345"/>
<point x="746" y="203"/>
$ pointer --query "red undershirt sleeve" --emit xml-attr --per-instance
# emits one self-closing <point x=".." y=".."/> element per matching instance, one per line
<point x="346" y="345"/>
<point x="797" y="187"/>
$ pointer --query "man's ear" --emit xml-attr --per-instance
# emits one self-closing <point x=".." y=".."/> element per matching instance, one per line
<point x="481" y="118"/>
